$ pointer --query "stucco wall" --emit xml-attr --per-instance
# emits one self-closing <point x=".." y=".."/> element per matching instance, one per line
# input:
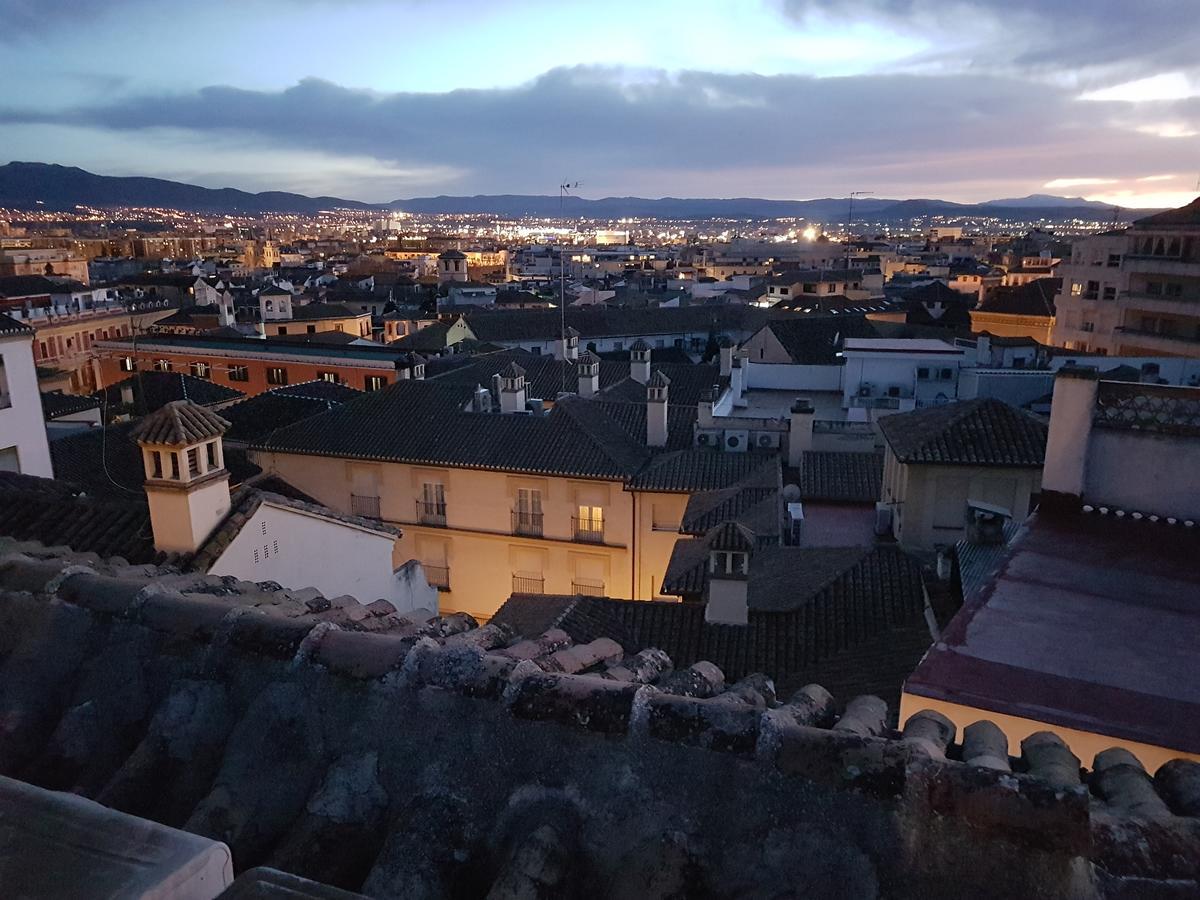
<point x="1166" y="481"/>
<point x="299" y="550"/>
<point x="21" y="423"/>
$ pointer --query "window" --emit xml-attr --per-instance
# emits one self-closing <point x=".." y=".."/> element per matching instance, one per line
<point x="1093" y="290"/>
<point x="175" y="466"/>
<point x="589" y="524"/>
<point x="1088" y="326"/>
<point x="128" y="364"/>
<point x="374" y="382"/>
<point x="922" y="373"/>
<point x="277" y="375"/>
<point x="1076" y="289"/>
<point x="432" y="509"/>
<point x="1114" y="260"/>
<point x="1110" y="292"/>
<point x="201" y="370"/>
<point x="282" y="329"/>
<point x="239" y="373"/>
<point x="193" y="458"/>
<point x="162" y="365"/>
<point x="331" y="377"/>
<point x="618" y="346"/>
<point x="946" y="374"/>
<point x="156" y="463"/>
<point x="211" y="450"/>
<point x="1173" y="289"/>
<point x="1154" y="288"/>
<point x="527" y="517"/>
<point x="831" y="288"/>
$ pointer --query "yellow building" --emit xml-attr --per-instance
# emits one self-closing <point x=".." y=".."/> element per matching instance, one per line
<point x="496" y="495"/>
<point x="944" y="462"/>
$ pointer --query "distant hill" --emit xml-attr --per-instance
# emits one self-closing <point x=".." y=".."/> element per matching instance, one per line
<point x="25" y="185"/>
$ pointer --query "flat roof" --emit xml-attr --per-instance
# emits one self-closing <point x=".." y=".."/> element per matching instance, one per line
<point x="1090" y="622"/>
<point x="901" y="345"/>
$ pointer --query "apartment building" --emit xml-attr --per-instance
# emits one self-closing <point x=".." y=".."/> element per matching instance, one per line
<point x="23" y="444"/>
<point x="586" y="498"/>
<point x="1135" y="292"/>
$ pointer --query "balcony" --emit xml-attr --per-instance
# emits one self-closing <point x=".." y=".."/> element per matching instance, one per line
<point x="1161" y="303"/>
<point x="526" y="523"/>
<point x="429" y="513"/>
<point x="1160" y="265"/>
<point x="1155" y="340"/>
<point x="587" y="587"/>
<point x="588" y="531"/>
<point x="437" y="576"/>
<point x="364" y="506"/>
<point x="528" y="584"/>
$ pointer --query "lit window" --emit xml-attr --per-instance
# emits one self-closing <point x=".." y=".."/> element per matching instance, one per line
<point x="331" y="377"/>
<point x="277" y="375"/>
<point x="375" y="382"/>
<point x="239" y="373"/>
<point x="201" y="370"/>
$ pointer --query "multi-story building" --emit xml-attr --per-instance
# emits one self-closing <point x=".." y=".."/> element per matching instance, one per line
<point x="23" y="444"/>
<point x="49" y="261"/>
<point x="1135" y="292"/>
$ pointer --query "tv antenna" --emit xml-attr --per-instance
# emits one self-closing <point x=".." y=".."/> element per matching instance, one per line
<point x="564" y="191"/>
<point x="850" y="220"/>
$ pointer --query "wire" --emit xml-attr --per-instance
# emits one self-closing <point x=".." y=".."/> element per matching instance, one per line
<point x="104" y="445"/>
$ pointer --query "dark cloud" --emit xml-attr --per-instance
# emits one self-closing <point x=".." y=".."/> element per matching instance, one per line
<point x="804" y="134"/>
<point x="1126" y="38"/>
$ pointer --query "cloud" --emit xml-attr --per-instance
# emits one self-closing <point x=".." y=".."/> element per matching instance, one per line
<point x="698" y="133"/>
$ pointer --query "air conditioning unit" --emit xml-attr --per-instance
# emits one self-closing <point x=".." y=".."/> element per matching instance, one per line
<point x="708" y="439"/>
<point x="883" y="518"/>
<point x="767" y="440"/>
<point x="735" y="441"/>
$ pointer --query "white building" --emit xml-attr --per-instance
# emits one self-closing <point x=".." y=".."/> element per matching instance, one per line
<point x="23" y="444"/>
<point x="898" y="374"/>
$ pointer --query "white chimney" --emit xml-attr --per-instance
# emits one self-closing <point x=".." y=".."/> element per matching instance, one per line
<point x="639" y="361"/>
<point x="704" y="409"/>
<point x="568" y="348"/>
<point x="512" y="389"/>
<point x="729" y="552"/>
<point x="187" y="485"/>
<point x="588" y="369"/>
<point x="1071" y="411"/>
<point x="656" y="409"/>
<point x="737" y="380"/>
<point x="726" y="356"/>
<point x="800" y="432"/>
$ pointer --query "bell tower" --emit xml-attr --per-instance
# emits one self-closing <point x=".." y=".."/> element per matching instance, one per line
<point x="187" y="484"/>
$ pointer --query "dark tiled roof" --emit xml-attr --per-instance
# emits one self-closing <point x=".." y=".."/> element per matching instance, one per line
<point x="606" y="321"/>
<point x="841" y="477"/>
<point x="28" y="286"/>
<point x="689" y="381"/>
<point x="984" y="432"/>
<point x="430" y="339"/>
<point x="257" y="417"/>
<point x="1034" y="298"/>
<point x="9" y="325"/>
<point x="673" y="355"/>
<point x="814" y="341"/>
<point x="310" y="311"/>
<point x="836" y="599"/>
<point x="178" y="423"/>
<point x="956" y="307"/>
<point x="698" y="469"/>
<point x="1184" y="215"/>
<point x="153" y="390"/>
<point x="56" y="404"/>
<point x="58" y="512"/>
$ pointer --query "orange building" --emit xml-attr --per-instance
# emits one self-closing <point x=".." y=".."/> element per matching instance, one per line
<point x="253" y="365"/>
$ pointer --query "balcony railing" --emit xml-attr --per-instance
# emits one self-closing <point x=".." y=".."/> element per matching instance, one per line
<point x="364" y="506"/>
<point x="527" y="523"/>
<point x="430" y="513"/>
<point x="437" y="576"/>
<point x="528" y="584"/>
<point x="587" y="587"/>
<point x="590" y="531"/>
<point x="1159" y="335"/>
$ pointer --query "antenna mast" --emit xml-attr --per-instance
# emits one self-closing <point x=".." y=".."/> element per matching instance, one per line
<point x="850" y="221"/>
<point x="564" y="190"/>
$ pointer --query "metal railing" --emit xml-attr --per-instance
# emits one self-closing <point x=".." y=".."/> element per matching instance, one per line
<point x="590" y="531"/>
<point x="431" y="513"/>
<point x="364" y="506"/>
<point x="587" y="587"/>
<point x="437" y="576"/>
<point x="528" y="584"/>
<point x="527" y="523"/>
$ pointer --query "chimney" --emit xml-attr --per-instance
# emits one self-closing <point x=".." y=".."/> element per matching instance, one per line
<point x="639" y="361"/>
<point x="414" y="367"/>
<point x="496" y="382"/>
<point x="800" y="432"/>
<point x="656" y="409"/>
<point x="729" y="552"/>
<point x="726" y="355"/>
<point x="1071" y="409"/>
<point x="187" y="485"/>
<point x="704" y="409"/>
<point x="588" y="369"/>
<point x="127" y="392"/>
<point x="983" y="350"/>
<point x="737" y="380"/>
<point x="512" y="389"/>
<point x="569" y="345"/>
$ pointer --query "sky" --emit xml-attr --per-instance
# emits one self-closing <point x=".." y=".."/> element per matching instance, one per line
<point x="963" y="100"/>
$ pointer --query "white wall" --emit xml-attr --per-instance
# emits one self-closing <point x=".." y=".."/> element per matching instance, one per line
<point x="21" y="423"/>
<point x="1141" y="471"/>
<point x="299" y="550"/>
<point x="784" y="377"/>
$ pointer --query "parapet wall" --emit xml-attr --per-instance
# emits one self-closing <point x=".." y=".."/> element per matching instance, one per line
<point x="449" y="760"/>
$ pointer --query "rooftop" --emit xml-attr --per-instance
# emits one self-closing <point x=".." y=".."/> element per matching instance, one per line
<point x="341" y="743"/>
<point x="985" y="432"/>
<point x="1054" y="636"/>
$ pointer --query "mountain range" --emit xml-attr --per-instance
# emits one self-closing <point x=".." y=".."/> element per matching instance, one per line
<point x="28" y="186"/>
